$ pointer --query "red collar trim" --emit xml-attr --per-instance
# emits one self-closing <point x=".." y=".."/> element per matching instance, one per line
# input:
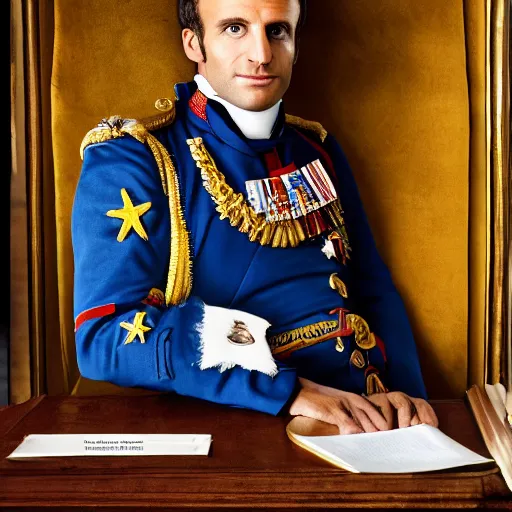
<point x="197" y="104"/>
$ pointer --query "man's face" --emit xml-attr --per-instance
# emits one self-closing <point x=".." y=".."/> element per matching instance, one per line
<point x="250" y="49"/>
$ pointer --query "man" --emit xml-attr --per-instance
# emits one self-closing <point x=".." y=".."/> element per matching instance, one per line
<point x="222" y="251"/>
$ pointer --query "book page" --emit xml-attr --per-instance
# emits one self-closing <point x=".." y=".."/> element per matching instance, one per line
<point x="497" y="396"/>
<point x="497" y="435"/>
<point x="404" y="450"/>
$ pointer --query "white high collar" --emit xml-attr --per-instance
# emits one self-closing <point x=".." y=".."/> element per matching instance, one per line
<point x="254" y="125"/>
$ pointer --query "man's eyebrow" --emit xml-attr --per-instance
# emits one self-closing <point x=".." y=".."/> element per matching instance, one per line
<point x="286" y="24"/>
<point x="226" y="22"/>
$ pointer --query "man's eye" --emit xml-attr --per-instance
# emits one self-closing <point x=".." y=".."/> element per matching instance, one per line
<point x="234" y="30"/>
<point x="277" y="32"/>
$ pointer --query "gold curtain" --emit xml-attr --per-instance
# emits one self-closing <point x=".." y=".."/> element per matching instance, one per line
<point x="474" y="21"/>
<point x="488" y="62"/>
<point x="34" y="318"/>
<point x="498" y="129"/>
<point x="38" y="362"/>
<point x="19" y="371"/>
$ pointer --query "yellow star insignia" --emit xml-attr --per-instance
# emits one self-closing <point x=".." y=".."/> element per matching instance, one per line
<point x="130" y="215"/>
<point x="135" y="329"/>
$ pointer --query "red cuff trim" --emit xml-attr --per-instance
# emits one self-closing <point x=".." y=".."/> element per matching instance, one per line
<point x="97" y="312"/>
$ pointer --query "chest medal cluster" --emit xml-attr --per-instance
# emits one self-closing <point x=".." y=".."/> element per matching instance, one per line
<point x="281" y="211"/>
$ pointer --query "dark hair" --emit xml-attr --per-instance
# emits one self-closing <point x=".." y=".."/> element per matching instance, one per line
<point x="188" y="14"/>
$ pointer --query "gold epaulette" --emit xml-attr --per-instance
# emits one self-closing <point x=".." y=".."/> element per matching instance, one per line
<point x="114" y="127"/>
<point x="310" y="126"/>
<point x="179" y="279"/>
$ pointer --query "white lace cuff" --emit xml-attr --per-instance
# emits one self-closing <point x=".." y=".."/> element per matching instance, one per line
<point x="234" y="338"/>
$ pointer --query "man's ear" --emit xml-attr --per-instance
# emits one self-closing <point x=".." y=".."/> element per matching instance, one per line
<point x="191" y="45"/>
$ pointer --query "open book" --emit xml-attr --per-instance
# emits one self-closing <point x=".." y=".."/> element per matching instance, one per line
<point x="405" y="450"/>
<point x="490" y="415"/>
<point x="408" y="450"/>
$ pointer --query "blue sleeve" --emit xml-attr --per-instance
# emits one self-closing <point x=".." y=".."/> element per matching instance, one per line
<point x="376" y="295"/>
<point x="124" y="334"/>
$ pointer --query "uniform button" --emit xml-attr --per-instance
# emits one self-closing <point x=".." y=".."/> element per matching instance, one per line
<point x="337" y="284"/>
<point x="357" y="359"/>
<point x="163" y="104"/>
<point x="364" y="338"/>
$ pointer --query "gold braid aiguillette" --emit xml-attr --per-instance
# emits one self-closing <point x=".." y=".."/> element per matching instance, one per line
<point x="233" y="206"/>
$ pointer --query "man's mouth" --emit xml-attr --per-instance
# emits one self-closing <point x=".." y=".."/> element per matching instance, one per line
<point x="257" y="79"/>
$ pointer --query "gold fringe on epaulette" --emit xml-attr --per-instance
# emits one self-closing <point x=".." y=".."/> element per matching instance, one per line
<point x="113" y="128"/>
<point x="159" y="120"/>
<point x="310" y="126"/>
<point x="179" y="279"/>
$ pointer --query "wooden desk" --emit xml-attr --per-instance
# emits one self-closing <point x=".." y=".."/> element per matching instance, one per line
<point x="252" y="464"/>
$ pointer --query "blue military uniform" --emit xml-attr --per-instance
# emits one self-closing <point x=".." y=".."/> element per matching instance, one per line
<point x="182" y="211"/>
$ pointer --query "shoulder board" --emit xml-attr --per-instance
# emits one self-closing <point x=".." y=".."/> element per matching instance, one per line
<point x="309" y="126"/>
<point x="114" y="127"/>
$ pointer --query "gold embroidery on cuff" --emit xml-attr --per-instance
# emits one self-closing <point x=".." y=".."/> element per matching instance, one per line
<point x="302" y="336"/>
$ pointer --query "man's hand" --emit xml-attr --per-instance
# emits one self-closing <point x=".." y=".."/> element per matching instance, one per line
<point x="396" y="408"/>
<point x="351" y="413"/>
<point x="409" y="410"/>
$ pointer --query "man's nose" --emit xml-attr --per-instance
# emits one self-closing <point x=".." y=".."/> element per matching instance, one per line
<point x="260" y="51"/>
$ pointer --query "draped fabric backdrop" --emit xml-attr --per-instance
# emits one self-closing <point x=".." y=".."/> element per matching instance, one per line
<point x="416" y="92"/>
<point x="35" y="350"/>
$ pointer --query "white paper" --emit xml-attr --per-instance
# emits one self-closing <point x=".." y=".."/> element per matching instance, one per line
<point x="404" y="450"/>
<point x="72" y="445"/>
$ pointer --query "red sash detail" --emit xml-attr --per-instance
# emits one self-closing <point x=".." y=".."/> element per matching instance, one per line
<point x="382" y="347"/>
<point x="273" y="161"/>
<point x="284" y="170"/>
